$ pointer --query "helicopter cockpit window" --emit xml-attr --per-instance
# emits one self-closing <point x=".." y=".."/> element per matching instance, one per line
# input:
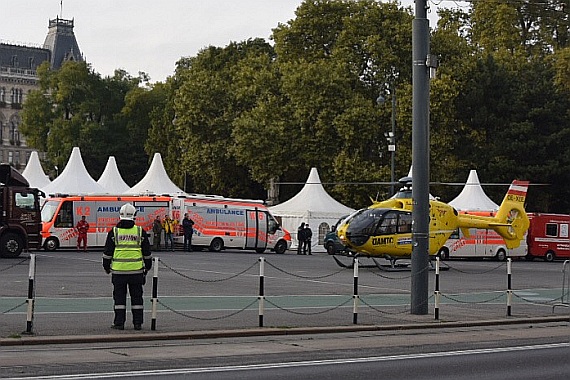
<point x="405" y="223"/>
<point x="366" y="221"/>
<point x="389" y="224"/>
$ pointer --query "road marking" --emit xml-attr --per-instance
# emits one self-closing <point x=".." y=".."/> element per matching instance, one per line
<point x="184" y="371"/>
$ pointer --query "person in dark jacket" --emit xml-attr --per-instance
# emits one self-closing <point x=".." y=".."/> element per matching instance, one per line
<point x="307" y="235"/>
<point x="300" y="237"/>
<point x="127" y="257"/>
<point x="188" y="227"/>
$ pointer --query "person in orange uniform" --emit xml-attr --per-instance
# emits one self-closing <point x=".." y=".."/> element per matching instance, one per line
<point x="82" y="227"/>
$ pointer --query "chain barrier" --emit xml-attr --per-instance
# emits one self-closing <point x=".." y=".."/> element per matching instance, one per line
<point x="472" y="302"/>
<point x="535" y="302"/>
<point x="476" y="272"/>
<point x="305" y="277"/>
<point x="203" y="318"/>
<point x="387" y="312"/>
<point x="206" y="281"/>
<point x="13" y="265"/>
<point x="307" y="313"/>
<point x="14" y="308"/>
<point x="427" y="268"/>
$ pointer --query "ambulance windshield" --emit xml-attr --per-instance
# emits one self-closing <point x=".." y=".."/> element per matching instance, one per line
<point x="48" y="210"/>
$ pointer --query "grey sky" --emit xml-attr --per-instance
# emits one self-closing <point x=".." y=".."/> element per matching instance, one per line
<point x="145" y="35"/>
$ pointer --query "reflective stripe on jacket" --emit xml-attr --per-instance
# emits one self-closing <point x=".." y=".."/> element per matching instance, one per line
<point x="127" y="257"/>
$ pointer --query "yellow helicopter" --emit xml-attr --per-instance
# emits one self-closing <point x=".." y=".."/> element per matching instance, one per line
<point x="385" y="228"/>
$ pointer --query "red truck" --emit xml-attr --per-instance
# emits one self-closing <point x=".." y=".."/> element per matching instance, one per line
<point x="548" y="236"/>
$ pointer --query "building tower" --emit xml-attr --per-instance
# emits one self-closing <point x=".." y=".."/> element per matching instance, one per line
<point x="18" y="76"/>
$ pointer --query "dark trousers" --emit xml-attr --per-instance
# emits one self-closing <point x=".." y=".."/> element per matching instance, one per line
<point x="188" y="242"/>
<point x="157" y="238"/>
<point x="134" y="284"/>
<point x="168" y="238"/>
<point x="307" y="247"/>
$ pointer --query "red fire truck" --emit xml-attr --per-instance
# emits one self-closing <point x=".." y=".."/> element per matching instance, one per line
<point x="548" y="236"/>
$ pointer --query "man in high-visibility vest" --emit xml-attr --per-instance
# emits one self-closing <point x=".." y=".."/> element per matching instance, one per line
<point x="127" y="255"/>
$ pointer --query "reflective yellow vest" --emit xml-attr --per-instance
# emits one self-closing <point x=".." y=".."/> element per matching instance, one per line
<point x="128" y="257"/>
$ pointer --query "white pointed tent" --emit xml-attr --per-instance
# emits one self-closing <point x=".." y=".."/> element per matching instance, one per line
<point x="312" y="205"/>
<point x="111" y="179"/>
<point x="74" y="179"/>
<point x="34" y="172"/>
<point x="472" y="197"/>
<point x="156" y="181"/>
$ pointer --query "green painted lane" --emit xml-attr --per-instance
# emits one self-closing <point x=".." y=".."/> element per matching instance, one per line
<point x="12" y="305"/>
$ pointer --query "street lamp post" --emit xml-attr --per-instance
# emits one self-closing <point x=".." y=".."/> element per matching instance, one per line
<point x="391" y="136"/>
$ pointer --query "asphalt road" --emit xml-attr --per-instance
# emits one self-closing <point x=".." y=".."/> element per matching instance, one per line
<point x="209" y="306"/>
<point x="532" y="351"/>
<point x="212" y="291"/>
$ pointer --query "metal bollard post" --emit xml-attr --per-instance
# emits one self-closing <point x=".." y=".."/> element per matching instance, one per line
<point x="436" y="292"/>
<point x="31" y="295"/>
<point x="355" y="297"/>
<point x="154" y="294"/>
<point x="261" y="297"/>
<point x="509" y="287"/>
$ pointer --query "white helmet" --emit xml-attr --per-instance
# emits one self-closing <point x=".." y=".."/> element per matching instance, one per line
<point x="128" y="212"/>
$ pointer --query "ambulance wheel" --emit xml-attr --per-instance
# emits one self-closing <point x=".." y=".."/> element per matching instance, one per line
<point x="443" y="253"/>
<point x="549" y="256"/>
<point x="501" y="255"/>
<point x="11" y="245"/>
<point x="216" y="245"/>
<point x="280" y="247"/>
<point x="51" y="244"/>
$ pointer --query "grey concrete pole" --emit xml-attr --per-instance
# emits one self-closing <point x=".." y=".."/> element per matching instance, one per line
<point x="420" y="160"/>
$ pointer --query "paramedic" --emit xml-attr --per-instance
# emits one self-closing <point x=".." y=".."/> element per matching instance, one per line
<point x="168" y="225"/>
<point x="188" y="226"/>
<point x="82" y="227"/>
<point x="127" y="256"/>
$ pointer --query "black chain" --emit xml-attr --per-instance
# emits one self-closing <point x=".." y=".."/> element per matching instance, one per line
<point x="206" y="319"/>
<point x="207" y="281"/>
<point x="304" y="277"/>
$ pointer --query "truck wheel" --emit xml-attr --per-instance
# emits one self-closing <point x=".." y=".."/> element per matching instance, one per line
<point x="443" y="253"/>
<point x="11" y="245"/>
<point x="501" y="255"/>
<point x="216" y="245"/>
<point x="280" y="247"/>
<point x="51" y="244"/>
<point x="549" y="256"/>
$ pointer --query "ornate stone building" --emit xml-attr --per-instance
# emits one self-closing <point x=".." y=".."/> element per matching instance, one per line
<point x="18" y="76"/>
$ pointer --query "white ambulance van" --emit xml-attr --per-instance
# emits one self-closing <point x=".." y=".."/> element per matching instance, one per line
<point x="61" y="214"/>
<point x="479" y="244"/>
<point x="221" y="223"/>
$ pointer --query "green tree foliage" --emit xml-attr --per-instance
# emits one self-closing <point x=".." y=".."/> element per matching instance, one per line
<point x="75" y="107"/>
<point x="232" y="119"/>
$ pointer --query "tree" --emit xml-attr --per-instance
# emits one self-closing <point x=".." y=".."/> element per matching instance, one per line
<point x="74" y="106"/>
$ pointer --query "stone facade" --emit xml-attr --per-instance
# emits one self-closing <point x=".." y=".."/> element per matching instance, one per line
<point x="18" y="76"/>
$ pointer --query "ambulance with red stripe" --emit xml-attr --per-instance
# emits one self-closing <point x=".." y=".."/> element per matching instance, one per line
<point x="221" y="223"/>
<point x="481" y="243"/>
<point x="61" y="213"/>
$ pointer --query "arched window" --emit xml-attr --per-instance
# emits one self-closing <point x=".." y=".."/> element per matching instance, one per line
<point x="324" y="228"/>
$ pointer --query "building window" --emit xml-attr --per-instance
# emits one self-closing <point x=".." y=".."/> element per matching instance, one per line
<point x="31" y="62"/>
<point x="10" y="157"/>
<point x="15" y="62"/>
<point x="2" y="94"/>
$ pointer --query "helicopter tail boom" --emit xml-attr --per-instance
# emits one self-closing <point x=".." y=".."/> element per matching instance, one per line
<point x="512" y="220"/>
